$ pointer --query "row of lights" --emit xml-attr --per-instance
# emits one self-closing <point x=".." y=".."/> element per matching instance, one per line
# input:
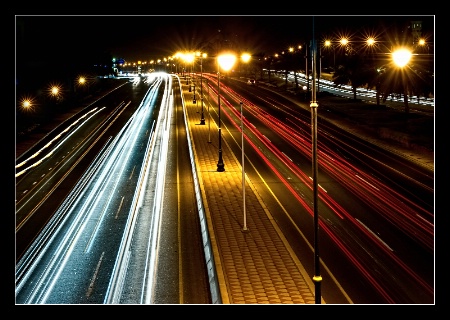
<point x="225" y="62"/>
<point x="54" y="90"/>
<point x="369" y="41"/>
<point x="400" y="57"/>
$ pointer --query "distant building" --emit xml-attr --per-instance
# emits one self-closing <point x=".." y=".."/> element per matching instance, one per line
<point x="416" y="30"/>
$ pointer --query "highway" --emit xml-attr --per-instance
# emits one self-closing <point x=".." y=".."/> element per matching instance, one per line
<point x="85" y="199"/>
<point x="375" y="207"/>
<point x="103" y="242"/>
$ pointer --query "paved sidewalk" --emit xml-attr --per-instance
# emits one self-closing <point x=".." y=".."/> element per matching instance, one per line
<point x="256" y="266"/>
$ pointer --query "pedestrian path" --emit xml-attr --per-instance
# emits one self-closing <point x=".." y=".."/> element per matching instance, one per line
<point x="255" y="266"/>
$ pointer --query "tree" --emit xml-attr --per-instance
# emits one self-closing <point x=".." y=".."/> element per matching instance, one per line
<point x="409" y="81"/>
<point x="375" y="81"/>
<point x="353" y="71"/>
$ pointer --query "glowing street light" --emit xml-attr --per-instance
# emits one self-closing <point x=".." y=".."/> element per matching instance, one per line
<point x="27" y="104"/>
<point x="245" y="57"/>
<point x="188" y="58"/>
<point x="82" y="81"/>
<point x="55" y="91"/>
<point x="328" y="44"/>
<point x="202" y="55"/>
<point x="401" y="57"/>
<point x="226" y="61"/>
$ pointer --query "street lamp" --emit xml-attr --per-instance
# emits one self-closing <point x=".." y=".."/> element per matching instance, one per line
<point x="328" y="44"/>
<point x="27" y="104"/>
<point x="188" y="59"/>
<point x="245" y="57"/>
<point x="306" y="70"/>
<point x="194" y="101"/>
<point x="226" y="61"/>
<point x="317" y="278"/>
<point x="83" y="81"/>
<point x="244" y="228"/>
<point x="209" y="114"/>
<point x="342" y="42"/>
<point x="202" y="55"/>
<point x="401" y="57"/>
<point x="54" y="91"/>
<point x="193" y="79"/>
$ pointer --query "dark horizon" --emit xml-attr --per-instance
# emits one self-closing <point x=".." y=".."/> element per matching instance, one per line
<point x="57" y="47"/>
<point x="54" y="38"/>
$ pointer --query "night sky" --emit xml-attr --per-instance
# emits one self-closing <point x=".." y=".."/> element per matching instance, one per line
<point x="55" y="38"/>
<point x="49" y="47"/>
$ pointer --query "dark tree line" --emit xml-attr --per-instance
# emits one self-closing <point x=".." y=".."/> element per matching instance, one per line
<point x="370" y="71"/>
<point x="414" y="79"/>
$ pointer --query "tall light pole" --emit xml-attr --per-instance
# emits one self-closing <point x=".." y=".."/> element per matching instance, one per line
<point x="317" y="279"/>
<point x="245" y="57"/>
<point x="202" y="55"/>
<point x="307" y="70"/>
<point x="188" y="59"/>
<point x="209" y="114"/>
<point x="244" y="228"/>
<point x="328" y="44"/>
<point x="320" y="69"/>
<point x="194" y="101"/>
<point x="226" y="61"/>
<point x="220" y="164"/>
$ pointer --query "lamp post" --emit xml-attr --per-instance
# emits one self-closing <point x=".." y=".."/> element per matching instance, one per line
<point x="193" y="78"/>
<point x="328" y="44"/>
<point x="320" y="70"/>
<point x="244" y="228"/>
<point x="226" y="61"/>
<point x="202" y="118"/>
<point x="188" y="59"/>
<point x="82" y="81"/>
<point x="401" y="57"/>
<point x="220" y="164"/>
<point x="54" y="91"/>
<point x="194" y="101"/>
<point x="317" y="279"/>
<point x="306" y="70"/>
<point x="209" y="115"/>
<point x="245" y="57"/>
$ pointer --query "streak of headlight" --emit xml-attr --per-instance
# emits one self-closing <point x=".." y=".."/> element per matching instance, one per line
<point x="366" y="182"/>
<point x="113" y="294"/>
<point x="167" y="105"/>
<point x="53" y="140"/>
<point x="77" y="227"/>
<point x="123" y="143"/>
<point x="376" y="236"/>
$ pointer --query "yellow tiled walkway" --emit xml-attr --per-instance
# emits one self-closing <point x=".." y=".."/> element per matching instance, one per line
<point x="253" y="267"/>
